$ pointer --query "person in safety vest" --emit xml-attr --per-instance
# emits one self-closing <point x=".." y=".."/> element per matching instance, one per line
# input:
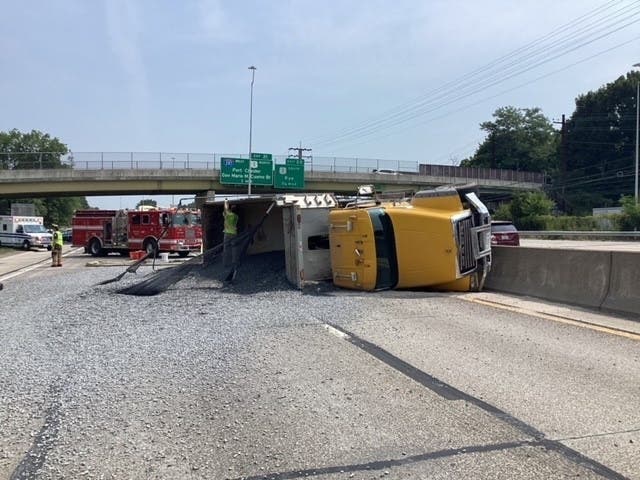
<point x="56" y="247"/>
<point x="229" y="254"/>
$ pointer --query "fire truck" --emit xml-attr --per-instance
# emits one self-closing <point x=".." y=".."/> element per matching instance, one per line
<point x="101" y="232"/>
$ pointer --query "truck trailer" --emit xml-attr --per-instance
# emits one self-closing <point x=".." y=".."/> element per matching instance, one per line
<point x="172" y="230"/>
<point x="439" y="239"/>
<point x="24" y="232"/>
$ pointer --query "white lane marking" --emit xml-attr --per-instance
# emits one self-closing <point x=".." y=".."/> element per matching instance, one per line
<point x="22" y="270"/>
<point x="34" y="266"/>
<point x="336" y="332"/>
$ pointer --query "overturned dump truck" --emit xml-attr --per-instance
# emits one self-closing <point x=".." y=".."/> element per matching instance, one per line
<point x="439" y="239"/>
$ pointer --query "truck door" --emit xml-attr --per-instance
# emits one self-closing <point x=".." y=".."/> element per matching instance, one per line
<point x="108" y="231"/>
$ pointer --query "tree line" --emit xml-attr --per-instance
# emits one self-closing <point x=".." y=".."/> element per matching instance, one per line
<point x="20" y="150"/>
<point x="589" y="160"/>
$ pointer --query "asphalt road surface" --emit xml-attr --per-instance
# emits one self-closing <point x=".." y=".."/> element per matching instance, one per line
<point x="257" y="380"/>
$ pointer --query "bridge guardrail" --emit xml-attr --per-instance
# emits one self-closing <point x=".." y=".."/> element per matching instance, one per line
<point x="211" y="161"/>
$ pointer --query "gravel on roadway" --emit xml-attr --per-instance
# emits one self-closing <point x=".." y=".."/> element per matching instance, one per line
<point x="210" y="380"/>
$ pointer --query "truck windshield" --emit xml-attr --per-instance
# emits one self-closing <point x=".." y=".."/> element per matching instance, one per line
<point x="386" y="262"/>
<point x="181" y="219"/>
<point x="34" y="229"/>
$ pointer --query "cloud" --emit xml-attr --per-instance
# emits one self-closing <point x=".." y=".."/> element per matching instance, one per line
<point x="346" y="25"/>
<point x="215" y="24"/>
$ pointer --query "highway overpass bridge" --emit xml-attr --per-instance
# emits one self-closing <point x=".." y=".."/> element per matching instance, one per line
<point x="133" y="176"/>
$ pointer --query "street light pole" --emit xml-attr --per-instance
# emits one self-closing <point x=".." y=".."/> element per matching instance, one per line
<point x="637" y="130"/>
<point x="253" y="75"/>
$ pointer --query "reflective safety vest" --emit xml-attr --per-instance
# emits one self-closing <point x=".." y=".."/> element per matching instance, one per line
<point x="57" y="238"/>
<point x="230" y="223"/>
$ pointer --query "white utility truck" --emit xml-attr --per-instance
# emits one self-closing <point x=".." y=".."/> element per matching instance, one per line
<point x="24" y="232"/>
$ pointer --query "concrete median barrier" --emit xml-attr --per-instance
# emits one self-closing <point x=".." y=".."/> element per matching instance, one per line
<point x="571" y="276"/>
<point x="624" y="287"/>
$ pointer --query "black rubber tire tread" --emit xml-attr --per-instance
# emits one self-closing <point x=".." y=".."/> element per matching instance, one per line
<point x="149" y="245"/>
<point x="95" y="249"/>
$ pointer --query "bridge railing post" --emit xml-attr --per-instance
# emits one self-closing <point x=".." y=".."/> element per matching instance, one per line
<point x="101" y="160"/>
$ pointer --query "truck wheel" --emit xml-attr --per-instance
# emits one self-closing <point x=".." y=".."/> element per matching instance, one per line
<point x="182" y="254"/>
<point x="151" y="247"/>
<point x="26" y="245"/>
<point x="95" y="248"/>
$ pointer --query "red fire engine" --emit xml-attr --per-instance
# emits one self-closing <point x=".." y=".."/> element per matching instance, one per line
<point x="170" y="230"/>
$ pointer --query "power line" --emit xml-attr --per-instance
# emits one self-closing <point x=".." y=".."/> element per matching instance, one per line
<point x="300" y="150"/>
<point x="404" y="114"/>
<point x="420" y="111"/>
<point x="467" y="106"/>
<point x="466" y="78"/>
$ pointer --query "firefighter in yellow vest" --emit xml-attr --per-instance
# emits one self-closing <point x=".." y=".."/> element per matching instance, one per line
<point x="229" y="255"/>
<point x="56" y="247"/>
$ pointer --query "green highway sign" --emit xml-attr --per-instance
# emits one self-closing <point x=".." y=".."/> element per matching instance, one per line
<point x="294" y="161"/>
<point x="261" y="156"/>
<point x="235" y="171"/>
<point x="289" y="176"/>
<point x="261" y="172"/>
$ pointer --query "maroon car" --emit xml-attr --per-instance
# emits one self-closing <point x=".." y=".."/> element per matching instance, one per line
<point x="504" y="233"/>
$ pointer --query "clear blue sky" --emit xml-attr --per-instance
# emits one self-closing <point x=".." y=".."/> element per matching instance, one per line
<point x="172" y="76"/>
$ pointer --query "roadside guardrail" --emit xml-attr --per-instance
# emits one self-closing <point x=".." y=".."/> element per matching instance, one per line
<point x="594" y="279"/>
<point x="580" y="234"/>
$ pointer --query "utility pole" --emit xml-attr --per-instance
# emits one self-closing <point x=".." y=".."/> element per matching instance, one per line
<point x="563" y="146"/>
<point x="563" y="157"/>
<point x="493" y="149"/>
<point x="300" y="150"/>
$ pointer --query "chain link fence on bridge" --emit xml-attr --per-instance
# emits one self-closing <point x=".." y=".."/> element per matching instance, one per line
<point x="211" y="161"/>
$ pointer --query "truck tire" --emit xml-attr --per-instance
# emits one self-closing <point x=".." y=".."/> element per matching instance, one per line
<point x="95" y="248"/>
<point x="26" y="245"/>
<point x="151" y="247"/>
<point x="182" y="254"/>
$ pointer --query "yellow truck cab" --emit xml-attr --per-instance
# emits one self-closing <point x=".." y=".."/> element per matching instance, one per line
<point x="439" y="239"/>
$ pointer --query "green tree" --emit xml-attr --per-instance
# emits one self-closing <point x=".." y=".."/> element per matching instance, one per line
<point x="531" y="204"/>
<point x="517" y="139"/>
<point x="598" y="155"/>
<point x="149" y="202"/>
<point x="630" y="218"/>
<point x="30" y="150"/>
<point x="527" y="209"/>
<point x="36" y="149"/>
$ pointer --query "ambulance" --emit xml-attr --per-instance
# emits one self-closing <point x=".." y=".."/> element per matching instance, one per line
<point x="24" y="232"/>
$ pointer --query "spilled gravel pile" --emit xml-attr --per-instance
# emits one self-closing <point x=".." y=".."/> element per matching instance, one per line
<point x="82" y="367"/>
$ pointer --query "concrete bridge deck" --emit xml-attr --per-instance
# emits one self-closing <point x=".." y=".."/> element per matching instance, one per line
<point x="72" y="182"/>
